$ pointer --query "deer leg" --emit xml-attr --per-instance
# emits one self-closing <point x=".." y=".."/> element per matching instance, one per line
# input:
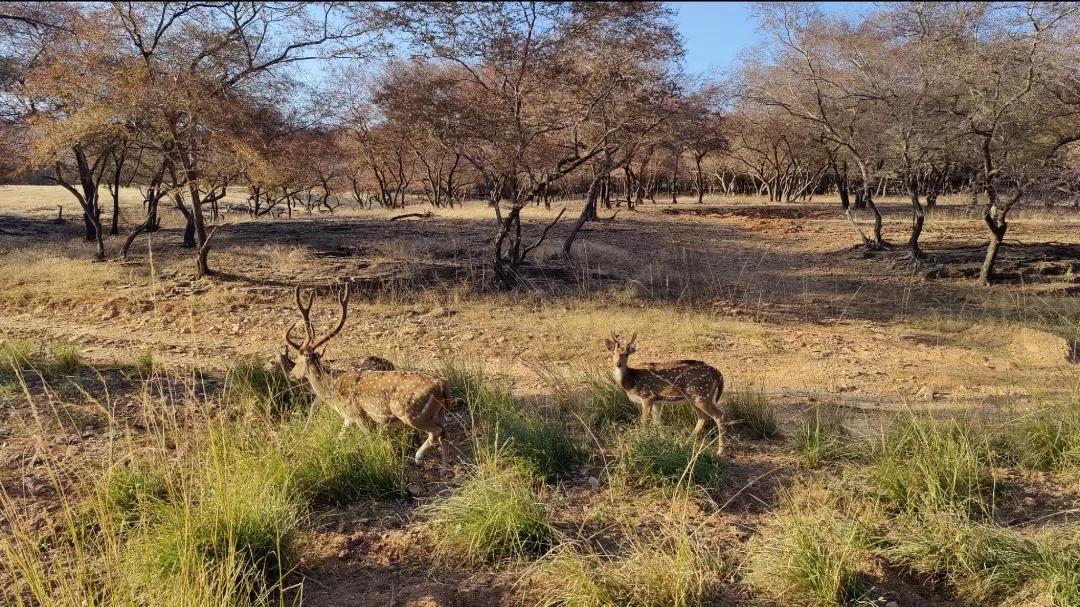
<point x="344" y="429"/>
<point x="645" y="407"/>
<point x="656" y="412"/>
<point x="702" y="417"/>
<point x="719" y="434"/>
<point x="432" y="438"/>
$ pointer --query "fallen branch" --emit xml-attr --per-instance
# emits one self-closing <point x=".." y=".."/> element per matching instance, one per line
<point x="423" y="215"/>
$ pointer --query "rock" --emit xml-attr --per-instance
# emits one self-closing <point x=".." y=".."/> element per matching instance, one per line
<point x="594" y="482"/>
<point x="414" y="490"/>
<point x="892" y="604"/>
<point x="1029" y="501"/>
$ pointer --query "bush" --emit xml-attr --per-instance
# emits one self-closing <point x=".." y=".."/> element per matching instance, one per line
<point x="659" y="456"/>
<point x="494" y="516"/>
<point x="545" y="447"/>
<point x="250" y="383"/>
<point x="928" y="465"/>
<point x="750" y="410"/>
<point x="667" y="568"/>
<point x="808" y="555"/>
<point x="822" y="438"/>
<point x="325" y="470"/>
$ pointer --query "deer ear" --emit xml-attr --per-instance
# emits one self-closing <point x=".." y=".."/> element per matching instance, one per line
<point x="610" y="345"/>
<point x="631" y="348"/>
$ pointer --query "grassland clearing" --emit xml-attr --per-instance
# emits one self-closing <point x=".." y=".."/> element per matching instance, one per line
<point x="132" y="405"/>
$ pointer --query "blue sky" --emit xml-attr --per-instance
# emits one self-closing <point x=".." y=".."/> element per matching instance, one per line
<point x="714" y="32"/>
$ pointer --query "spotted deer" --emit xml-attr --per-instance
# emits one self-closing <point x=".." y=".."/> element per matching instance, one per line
<point x="361" y="396"/>
<point x="670" y="382"/>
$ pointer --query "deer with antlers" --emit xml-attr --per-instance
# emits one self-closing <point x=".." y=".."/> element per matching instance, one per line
<point x="670" y="382"/>
<point x="362" y="396"/>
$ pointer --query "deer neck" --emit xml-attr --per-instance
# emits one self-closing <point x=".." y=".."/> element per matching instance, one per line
<point x="623" y="376"/>
<point x="322" y="383"/>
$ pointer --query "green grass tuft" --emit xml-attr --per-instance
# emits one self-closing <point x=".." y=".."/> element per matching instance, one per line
<point x="493" y="517"/>
<point x="18" y="357"/>
<point x="750" y="410"/>
<point x="330" y="471"/>
<point x="986" y="563"/>
<point x="665" y="568"/>
<point x="822" y="438"/>
<point x="928" y="465"/>
<point x="250" y="383"/>
<point x="544" y="447"/>
<point x="664" y="457"/>
<point x="605" y="404"/>
<point x="66" y="358"/>
<point x="1047" y="439"/>
<point x="808" y="555"/>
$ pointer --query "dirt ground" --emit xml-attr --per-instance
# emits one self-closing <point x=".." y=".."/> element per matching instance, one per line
<point x="773" y="295"/>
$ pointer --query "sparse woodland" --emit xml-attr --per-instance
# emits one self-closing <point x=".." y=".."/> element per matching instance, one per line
<point x="869" y="225"/>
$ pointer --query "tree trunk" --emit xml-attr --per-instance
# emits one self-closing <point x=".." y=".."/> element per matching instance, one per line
<point x="700" y="180"/>
<point x="998" y="226"/>
<point x="845" y="202"/>
<point x="118" y="168"/>
<point x="917" y="218"/>
<point x="674" y="180"/>
<point x="503" y="267"/>
<point x="588" y="213"/>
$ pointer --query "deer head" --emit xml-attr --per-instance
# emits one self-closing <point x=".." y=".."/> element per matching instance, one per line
<point x="308" y="359"/>
<point x="619" y="351"/>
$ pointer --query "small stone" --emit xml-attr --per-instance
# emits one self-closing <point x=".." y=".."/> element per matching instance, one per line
<point x="594" y="482"/>
<point x="892" y="604"/>
<point x="1029" y="501"/>
<point x="414" y="490"/>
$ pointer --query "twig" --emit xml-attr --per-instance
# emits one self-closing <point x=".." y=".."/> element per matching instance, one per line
<point x="543" y="234"/>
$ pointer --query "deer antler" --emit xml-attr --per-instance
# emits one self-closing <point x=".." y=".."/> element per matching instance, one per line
<point x="633" y="338"/>
<point x="343" y="301"/>
<point x="305" y="311"/>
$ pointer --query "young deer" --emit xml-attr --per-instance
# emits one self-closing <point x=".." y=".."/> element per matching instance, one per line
<point x="415" y="399"/>
<point x="669" y="382"/>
